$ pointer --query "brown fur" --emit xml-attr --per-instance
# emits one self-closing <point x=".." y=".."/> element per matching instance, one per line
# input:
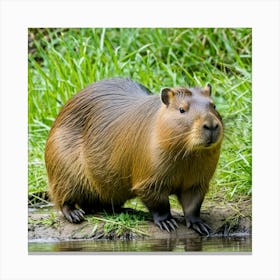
<point x="114" y="141"/>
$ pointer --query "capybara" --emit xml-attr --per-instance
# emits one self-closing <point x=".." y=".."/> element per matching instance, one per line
<point x="115" y="140"/>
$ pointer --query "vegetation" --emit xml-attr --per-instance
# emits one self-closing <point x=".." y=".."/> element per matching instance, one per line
<point x="123" y="224"/>
<point x="63" y="61"/>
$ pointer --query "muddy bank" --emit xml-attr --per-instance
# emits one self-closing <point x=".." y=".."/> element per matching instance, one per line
<point x="225" y="220"/>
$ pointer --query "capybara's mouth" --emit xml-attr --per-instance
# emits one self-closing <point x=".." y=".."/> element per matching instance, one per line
<point x="210" y="143"/>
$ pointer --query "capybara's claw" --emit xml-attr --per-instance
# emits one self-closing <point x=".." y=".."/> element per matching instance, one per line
<point x="72" y="214"/>
<point x="200" y="227"/>
<point x="168" y="225"/>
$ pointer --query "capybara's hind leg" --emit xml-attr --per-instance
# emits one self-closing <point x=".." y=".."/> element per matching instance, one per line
<point x="72" y="214"/>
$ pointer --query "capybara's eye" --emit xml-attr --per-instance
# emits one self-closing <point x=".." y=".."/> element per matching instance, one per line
<point x="182" y="110"/>
<point x="212" y="105"/>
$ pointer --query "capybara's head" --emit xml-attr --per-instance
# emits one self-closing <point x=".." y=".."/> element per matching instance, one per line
<point x="189" y="119"/>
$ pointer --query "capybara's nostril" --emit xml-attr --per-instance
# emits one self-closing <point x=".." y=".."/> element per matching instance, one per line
<point x="211" y="125"/>
<point x="206" y="126"/>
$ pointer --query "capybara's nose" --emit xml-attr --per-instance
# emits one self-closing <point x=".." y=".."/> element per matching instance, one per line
<point x="211" y="131"/>
<point x="211" y="125"/>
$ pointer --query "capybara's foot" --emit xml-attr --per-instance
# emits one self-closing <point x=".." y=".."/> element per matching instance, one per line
<point x="198" y="225"/>
<point x="72" y="214"/>
<point x="165" y="222"/>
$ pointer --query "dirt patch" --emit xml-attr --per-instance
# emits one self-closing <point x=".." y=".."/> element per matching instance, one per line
<point x="225" y="220"/>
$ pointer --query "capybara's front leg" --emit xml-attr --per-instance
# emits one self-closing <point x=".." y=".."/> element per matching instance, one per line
<point x="162" y="216"/>
<point x="159" y="207"/>
<point x="191" y="200"/>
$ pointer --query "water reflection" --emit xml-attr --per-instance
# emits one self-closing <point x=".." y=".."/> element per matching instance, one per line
<point x="195" y="244"/>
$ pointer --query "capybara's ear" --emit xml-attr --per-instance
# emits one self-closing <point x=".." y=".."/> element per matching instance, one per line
<point x="166" y="95"/>
<point x="208" y="89"/>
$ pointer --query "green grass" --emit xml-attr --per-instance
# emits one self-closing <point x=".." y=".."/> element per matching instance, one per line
<point x="117" y="225"/>
<point x="63" y="61"/>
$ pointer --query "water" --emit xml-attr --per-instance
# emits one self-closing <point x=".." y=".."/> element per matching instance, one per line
<point x="235" y="244"/>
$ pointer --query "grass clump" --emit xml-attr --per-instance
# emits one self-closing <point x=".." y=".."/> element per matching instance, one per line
<point x="121" y="225"/>
<point x="50" y="220"/>
<point x="63" y="61"/>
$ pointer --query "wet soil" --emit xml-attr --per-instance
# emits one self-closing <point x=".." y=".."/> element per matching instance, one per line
<point x="230" y="219"/>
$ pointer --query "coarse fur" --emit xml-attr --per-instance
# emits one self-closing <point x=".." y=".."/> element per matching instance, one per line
<point x="114" y="140"/>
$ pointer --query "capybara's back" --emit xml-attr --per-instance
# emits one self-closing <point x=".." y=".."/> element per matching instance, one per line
<point x="114" y="141"/>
